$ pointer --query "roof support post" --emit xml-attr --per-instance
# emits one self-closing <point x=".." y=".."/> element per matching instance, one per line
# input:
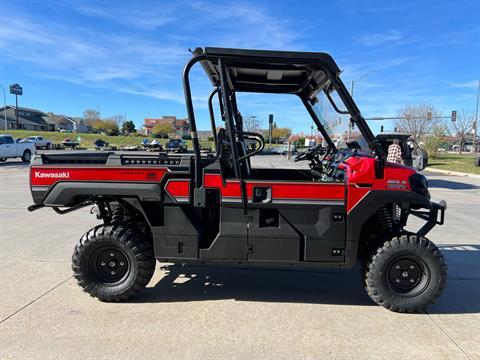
<point x="191" y="118"/>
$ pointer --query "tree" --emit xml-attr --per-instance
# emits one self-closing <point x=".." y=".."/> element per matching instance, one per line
<point x="251" y="123"/>
<point x="417" y="120"/>
<point x="435" y="141"/>
<point x="461" y="128"/>
<point x="162" y="130"/>
<point x="280" y="134"/>
<point x="110" y="127"/>
<point x="91" y="116"/>
<point x="128" y="127"/>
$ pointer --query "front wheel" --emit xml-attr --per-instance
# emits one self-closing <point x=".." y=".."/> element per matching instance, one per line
<point x="27" y="156"/>
<point x="406" y="274"/>
<point x="113" y="262"/>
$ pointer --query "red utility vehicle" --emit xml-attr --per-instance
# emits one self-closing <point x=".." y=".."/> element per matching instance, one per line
<point x="217" y="209"/>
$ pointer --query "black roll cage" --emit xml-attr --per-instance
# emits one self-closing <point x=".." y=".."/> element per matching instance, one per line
<point x="228" y="105"/>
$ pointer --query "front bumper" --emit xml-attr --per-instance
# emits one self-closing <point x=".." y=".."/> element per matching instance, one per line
<point x="434" y="216"/>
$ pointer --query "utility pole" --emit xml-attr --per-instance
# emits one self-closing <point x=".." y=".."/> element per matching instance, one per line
<point x="351" y="94"/>
<point x="5" y="107"/>
<point x="270" y="124"/>
<point x="475" y="124"/>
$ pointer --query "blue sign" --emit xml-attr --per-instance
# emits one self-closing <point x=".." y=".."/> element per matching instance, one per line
<point x="16" y="89"/>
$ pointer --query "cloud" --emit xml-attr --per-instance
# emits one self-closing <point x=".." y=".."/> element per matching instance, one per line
<point x="473" y="84"/>
<point x="146" y="18"/>
<point x="378" y="39"/>
<point x="146" y="65"/>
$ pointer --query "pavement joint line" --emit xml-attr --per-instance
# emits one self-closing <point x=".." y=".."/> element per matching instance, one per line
<point x="34" y="261"/>
<point x="34" y="300"/>
<point x="448" y="335"/>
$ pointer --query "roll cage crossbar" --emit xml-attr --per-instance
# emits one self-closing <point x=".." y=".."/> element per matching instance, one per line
<point x="298" y="73"/>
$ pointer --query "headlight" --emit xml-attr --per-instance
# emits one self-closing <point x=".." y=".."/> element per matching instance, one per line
<point x="419" y="184"/>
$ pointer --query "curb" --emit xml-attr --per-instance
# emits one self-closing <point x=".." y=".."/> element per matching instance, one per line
<point x="448" y="172"/>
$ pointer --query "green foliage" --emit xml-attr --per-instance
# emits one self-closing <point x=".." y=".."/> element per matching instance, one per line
<point x="87" y="140"/>
<point x="432" y="144"/>
<point x="128" y="127"/>
<point x="280" y="134"/>
<point x="162" y="130"/>
<point x="455" y="162"/>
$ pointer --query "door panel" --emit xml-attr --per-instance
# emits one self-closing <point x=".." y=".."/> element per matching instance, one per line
<point x="307" y="220"/>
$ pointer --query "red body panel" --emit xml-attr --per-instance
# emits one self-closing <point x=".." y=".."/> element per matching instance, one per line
<point x="281" y="190"/>
<point x="179" y="189"/>
<point x="46" y="176"/>
<point x="361" y="179"/>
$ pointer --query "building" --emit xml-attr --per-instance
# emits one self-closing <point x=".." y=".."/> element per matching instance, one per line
<point x="67" y="123"/>
<point x="28" y="119"/>
<point x="181" y="126"/>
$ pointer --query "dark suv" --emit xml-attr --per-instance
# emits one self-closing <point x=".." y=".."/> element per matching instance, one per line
<point x="176" y="145"/>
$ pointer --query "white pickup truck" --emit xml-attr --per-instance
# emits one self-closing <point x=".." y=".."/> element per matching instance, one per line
<point x="11" y="149"/>
<point x="39" y="141"/>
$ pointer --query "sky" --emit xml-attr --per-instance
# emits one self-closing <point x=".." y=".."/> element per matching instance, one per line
<point x="126" y="57"/>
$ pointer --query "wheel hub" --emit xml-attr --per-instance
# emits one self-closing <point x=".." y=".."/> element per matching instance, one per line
<point x="405" y="274"/>
<point x="111" y="265"/>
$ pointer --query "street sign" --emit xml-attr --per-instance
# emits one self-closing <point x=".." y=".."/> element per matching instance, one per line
<point x="16" y="89"/>
<point x="270" y="119"/>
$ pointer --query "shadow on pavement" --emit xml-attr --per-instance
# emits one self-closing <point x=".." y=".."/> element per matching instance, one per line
<point x="453" y="185"/>
<point x="201" y="283"/>
<point x="462" y="295"/>
<point x="14" y="163"/>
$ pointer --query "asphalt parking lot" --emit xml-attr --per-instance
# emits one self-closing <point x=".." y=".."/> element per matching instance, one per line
<point x="212" y="313"/>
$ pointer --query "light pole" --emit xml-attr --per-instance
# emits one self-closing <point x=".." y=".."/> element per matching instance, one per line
<point x="351" y="94"/>
<point x="475" y="124"/>
<point x="5" y="107"/>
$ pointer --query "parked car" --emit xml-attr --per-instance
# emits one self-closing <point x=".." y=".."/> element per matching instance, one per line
<point x="39" y="141"/>
<point x="9" y="148"/>
<point x="177" y="145"/>
<point x="283" y="149"/>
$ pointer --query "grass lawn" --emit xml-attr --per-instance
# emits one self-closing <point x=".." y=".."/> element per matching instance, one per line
<point x="87" y="140"/>
<point x="455" y="162"/>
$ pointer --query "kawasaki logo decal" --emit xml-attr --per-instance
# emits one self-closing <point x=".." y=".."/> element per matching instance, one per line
<point x="52" y="175"/>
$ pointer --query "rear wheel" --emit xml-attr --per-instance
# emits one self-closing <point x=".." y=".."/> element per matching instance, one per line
<point x="3" y="159"/>
<point x="406" y="274"/>
<point x="27" y="156"/>
<point x="113" y="262"/>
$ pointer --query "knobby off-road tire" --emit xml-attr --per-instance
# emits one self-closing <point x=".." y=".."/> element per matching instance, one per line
<point x="113" y="262"/>
<point x="406" y="274"/>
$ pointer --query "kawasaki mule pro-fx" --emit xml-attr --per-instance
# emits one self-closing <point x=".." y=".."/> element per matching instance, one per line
<point x="203" y="209"/>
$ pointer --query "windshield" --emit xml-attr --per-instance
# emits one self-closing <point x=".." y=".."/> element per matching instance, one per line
<point x="337" y="125"/>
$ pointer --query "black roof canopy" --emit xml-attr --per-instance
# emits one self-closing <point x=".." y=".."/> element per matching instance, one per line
<point x="270" y="71"/>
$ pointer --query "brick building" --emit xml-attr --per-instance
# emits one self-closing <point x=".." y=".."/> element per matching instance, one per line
<point x="181" y="126"/>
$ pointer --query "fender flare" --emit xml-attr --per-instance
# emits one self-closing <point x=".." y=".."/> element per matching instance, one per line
<point x="367" y="207"/>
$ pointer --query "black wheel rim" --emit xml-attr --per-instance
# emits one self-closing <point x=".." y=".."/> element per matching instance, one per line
<point x="110" y="265"/>
<point x="408" y="276"/>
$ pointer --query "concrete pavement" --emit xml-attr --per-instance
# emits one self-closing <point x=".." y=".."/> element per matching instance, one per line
<point x="214" y="313"/>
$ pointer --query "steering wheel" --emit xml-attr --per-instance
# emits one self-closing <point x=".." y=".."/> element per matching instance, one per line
<point x="309" y="154"/>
